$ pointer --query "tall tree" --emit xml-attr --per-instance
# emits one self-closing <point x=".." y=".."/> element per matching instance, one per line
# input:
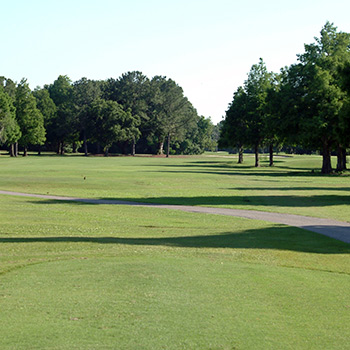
<point x="274" y="118"/>
<point x="112" y="123"/>
<point x="172" y="111"/>
<point x="198" y="138"/>
<point x="345" y="115"/>
<point x="131" y="90"/>
<point x="234" y="130"/>
<point x="10" y="132"/>
<point x="256" y="86"/>
<point x="29" y="118"/>
<point x="322" y="93"/>
<point x="48" y="109"/>
<point x="61" y="92"/>
<point x="85" y="92"/>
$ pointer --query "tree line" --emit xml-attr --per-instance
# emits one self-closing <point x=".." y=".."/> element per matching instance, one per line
<point x="121" y="114"/>
<point x="306" y="104"/>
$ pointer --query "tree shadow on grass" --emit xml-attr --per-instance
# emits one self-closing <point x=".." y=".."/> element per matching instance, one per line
<point x="248" y="202"/>
<point x="274" y="238"/>
<point x="261" y="172"/>
<point x="210" y="167"/>
<point x="288" y="188"/>
<point x="255" y="201"/>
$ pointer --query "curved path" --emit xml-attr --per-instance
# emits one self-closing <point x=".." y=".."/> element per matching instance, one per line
<point x="331" y="228"/>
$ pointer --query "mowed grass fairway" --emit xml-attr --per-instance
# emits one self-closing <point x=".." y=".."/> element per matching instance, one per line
<point x="89" y="276"/>
<point x="289" y="187"/>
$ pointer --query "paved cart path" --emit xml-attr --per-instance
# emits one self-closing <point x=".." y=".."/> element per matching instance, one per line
<point x="331" y="228"/>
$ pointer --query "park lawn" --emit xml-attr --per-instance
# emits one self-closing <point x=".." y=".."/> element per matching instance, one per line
<point x="288" y="187"/>
<point x="294" y="185"/>
<point x="84" y="276"/>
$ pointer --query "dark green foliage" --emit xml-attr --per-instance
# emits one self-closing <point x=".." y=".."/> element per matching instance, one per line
<point x="144" y="111"/>
<point x="316" y="97"/>
<point x="308" y="104"/>
<point x="246" y="122"/>
<point x="85" y="92"/>
<point x="234" y="131"/>
<point x="173" y="114"/>
<point x="9" y="128"/>
<point x="63" y="125"/>
<point x="197" y="139"/>
<point x="48" y="109"/>
<point x="132" y="91"/>
<point x="112" y="123"/>
<point x="29" y="117"/>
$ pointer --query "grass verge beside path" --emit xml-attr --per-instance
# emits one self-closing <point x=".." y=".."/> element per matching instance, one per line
<point x="105" y="277"/>
<point x="288" y="187"/>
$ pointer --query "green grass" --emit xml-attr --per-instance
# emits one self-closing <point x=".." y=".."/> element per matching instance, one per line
<point x="288" y="187"/>
<point x="84" y="276"/>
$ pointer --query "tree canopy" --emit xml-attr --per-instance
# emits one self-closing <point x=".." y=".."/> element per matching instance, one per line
<point x="112" y="114"/>
<point x="306" y="104"/>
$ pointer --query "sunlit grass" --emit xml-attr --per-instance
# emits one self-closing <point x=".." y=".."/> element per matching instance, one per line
<point x="85" y="276"/>
<point x="288" y="187"/>
<point x="78" y="276"/>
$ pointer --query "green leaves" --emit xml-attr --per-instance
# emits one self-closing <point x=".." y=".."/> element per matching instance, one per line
<point x="9" y="128"/>
<point x="28" y="116"/>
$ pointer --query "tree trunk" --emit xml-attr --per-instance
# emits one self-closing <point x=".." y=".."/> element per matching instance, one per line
<point x="271" y="154"/>
<point x="161" y="146"/>
<point x="16" y="149"/>
<point x="240" y="154"/>
<point x="168" y="146"/>
<point x="256" y="149"/>
<point x="344" y="159"/>
<point x="25" y="151"/>
<point x="326" y="158"/>
<point x="106" y="151"/>
<point x="62" y="149"/>
<point x="58" y="147"/>
<point x="75" y="147"/>
<point x="39" y="151"/>
<point x="85" y="145"/>
<point x="12" y="150"/>
<point x="133" y="148"/>
<point x="341" y="157"/>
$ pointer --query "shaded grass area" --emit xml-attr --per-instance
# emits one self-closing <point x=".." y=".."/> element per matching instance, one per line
<point x="107" y="277"/>
<point x="291" y="186"/>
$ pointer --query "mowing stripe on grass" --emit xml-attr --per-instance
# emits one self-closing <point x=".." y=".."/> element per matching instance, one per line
<point x="335" y="229"/>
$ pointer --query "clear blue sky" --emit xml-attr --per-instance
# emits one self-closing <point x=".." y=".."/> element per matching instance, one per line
<point x="207" y="47"/>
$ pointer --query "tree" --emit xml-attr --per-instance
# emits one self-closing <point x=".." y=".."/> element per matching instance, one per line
<point x="47" y="108"/>
<point x="234" y="130"/>
<point x="319" y="90"/>
<point x="274" y="119"/>
<point x="246" y="122"/>
<point x="256" y="87"/>
<point x="345" y="115"/>
<point x="10" y="132"/>
<point x="112" y="123"/>
<point x="29" y="118"/>
<point x="198" y="138"/>
<point x="61" y="92"/>
<point x="85" y="92"/>
<point x="215" y="136"/>
<point x="172" y="111"/>
<point x="131" y="90"/>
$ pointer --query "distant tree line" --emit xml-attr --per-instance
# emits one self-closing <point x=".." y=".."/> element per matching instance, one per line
<point x="306" y="104"/>
<point x="124" y="115"/>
